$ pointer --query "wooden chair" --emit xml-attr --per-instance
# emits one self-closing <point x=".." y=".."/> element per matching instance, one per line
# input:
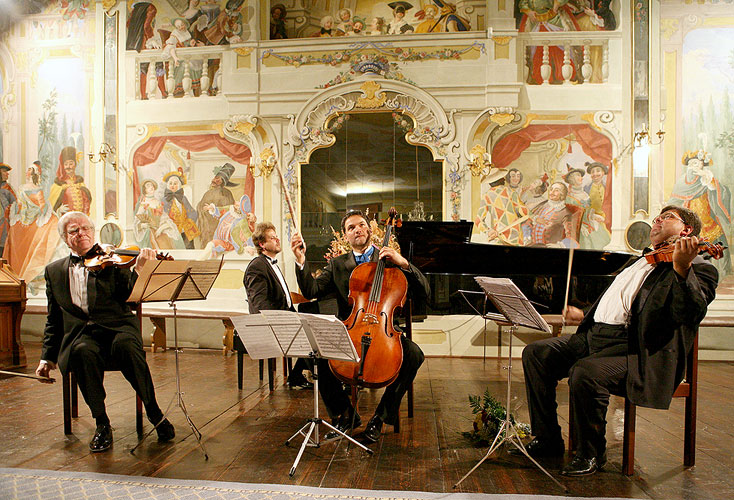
<point x="71" y="403"/>
<point x="687" y="389"/>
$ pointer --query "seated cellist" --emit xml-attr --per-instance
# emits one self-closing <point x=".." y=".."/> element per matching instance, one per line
<point x="335" y="279"/>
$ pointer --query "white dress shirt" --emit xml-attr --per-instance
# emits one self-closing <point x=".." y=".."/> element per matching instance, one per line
<point x="281" y="278"/>
<point x="616" y="304"/>
<point x="78" y="277"/>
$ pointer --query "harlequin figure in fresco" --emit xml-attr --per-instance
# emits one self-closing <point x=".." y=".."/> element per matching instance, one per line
<point x="552" y="220"/>
<point x="503" y="212"/>
<point x="547" y="16"/>
<point x="68" y="192"/>
<point x="218" y="196"/>
<point x="448" y="19"/>
<point x="228" y="26"/>
<point x="235" y="228"/>
<point x="178" y="208"/>
<point x="278" y="13"/>
<point x="140" y="36"/>
<point x="152" y="228"/>
<point x="399" y="25"/>
<point x="7" y="198"/>
<point x="32" y="236"/>
<point x="700" y="191"/>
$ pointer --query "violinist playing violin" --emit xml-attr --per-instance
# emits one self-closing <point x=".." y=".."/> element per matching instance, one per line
<point x="335" y="279"/>
<point x="633" y="341"/>
<point x="90" y="326"/>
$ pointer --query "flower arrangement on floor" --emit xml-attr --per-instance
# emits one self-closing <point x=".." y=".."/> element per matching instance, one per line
<point x="340" y="245"/>
<point x="489" y="415"/>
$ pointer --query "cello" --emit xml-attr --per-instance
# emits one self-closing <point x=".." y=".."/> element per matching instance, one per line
<point x="375" y="292"/>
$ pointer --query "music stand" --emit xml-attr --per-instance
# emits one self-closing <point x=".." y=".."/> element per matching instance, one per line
<point x="172" y="281"/>
<point x="515" y="310"/>
<point x="285" y="333"/>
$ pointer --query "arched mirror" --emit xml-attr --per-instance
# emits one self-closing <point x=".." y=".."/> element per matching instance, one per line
<point x="110" y="234"/>
<point x="637" y="235"/>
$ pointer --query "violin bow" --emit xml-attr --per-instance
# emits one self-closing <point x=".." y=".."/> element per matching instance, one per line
<point x="568" y="286"/>
<point x="287" y="197"/>
<point x="25" y="375"/>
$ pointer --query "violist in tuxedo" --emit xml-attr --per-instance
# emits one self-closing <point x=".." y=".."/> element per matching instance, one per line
<point x="334" y="278"/>
<point x="90" y="326"/>
<point x="267" y="289"/>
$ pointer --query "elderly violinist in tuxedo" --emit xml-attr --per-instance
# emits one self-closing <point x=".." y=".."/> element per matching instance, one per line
<point x="633" y="341"/>
<point x="90" y="325"/>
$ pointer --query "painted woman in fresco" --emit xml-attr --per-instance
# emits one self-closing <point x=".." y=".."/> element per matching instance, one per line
<point x="152" y="228"/>
<point x="178" y="207"/>
<point x="701" y="192"/>
<point x="7" y="198"/>
<point x="32" y="237"/>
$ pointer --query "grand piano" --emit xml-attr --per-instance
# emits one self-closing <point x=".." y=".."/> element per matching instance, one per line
<point x="444" y="253"/>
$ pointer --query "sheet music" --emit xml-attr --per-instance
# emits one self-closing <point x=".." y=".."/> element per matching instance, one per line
<point x="289" y="332"/>
<point x="330" y="337"/>
<point x="158" y="280"/>
<point x="257" y="336"/>
<point x="512" y="303"/>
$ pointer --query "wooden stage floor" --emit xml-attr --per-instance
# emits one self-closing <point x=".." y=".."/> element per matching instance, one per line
<point x="245" y="431"/>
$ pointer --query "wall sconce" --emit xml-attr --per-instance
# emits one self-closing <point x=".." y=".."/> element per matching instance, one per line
<point x="480" y="161"/>
<point x="643" y="137"/>
<point x="264" y="165"/>
<point x="106" y="154"/>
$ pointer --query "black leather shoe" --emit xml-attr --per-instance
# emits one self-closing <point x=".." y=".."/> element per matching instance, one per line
<point x="165" y="431"/>
<point x="580" y="466"/>
<point x="344" y="424"/>
<point x="374" y="429"/>
<point x="542" y="448"/>
<point x="102" y="439"/>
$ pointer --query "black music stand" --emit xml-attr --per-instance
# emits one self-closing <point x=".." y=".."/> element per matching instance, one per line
<point x="284" y="333"/>
<point x="171" y="281"/>
<point x="515" y="310"/>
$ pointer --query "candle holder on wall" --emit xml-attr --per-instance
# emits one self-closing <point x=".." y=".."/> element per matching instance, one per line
<point x="106" y="154"/>
<point x="263" y="165"/>
<point x="480" y="161"/>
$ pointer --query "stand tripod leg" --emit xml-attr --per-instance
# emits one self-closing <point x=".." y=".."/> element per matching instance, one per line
<point x="311" y="427"/>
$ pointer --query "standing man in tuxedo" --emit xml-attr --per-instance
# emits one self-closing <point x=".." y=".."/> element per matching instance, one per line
<point x="633" y="341"/>
<point x="90" y="325"/>
<point x="267" y="290"/>
<point x="335" y="279"/>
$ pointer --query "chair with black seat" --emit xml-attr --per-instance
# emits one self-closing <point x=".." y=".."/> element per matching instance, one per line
<point x="239" y="347"/>
<point x="687" y="389"/>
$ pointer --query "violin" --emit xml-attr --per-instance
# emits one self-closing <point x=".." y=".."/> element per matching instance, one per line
<point x="98" y="258"/>
<point x="375" y="292"/>
<point x="664" y="251"/>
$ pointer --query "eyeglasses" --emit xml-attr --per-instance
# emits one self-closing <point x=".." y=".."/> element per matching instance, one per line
<point x="76" y="230"/>
<point x="666" y="216"/>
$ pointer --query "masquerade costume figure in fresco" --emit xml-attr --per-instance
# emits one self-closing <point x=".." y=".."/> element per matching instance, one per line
<point x="7" y="198"/>
<point x="533" y="195"/>
<point x="178" y="208"/>
<point x="277" y="22"/>
<point x="552" y="221"/>
<point x="428" y="23"/>
<point x="32" y="236"/>
<point x="701" y="192"/>
<point x="399" y="25"/>
<point x="327" y="25"/>
<point x="152" y="228"/>
<point x="377" y="26"/>
<point x="590" y="230"/>
<point x="68" y="192"/>
<point x="503" y="211"/>
<point x="547" y="16"/>
<point x="218" y="196"/>
<point x="345" y="22"/>
<point x="449" y="20"/>
<point x="228" y="26"/>
<point x="141" y="35"/>
<point x="197" y="20"/>
<point x="235" y="228"/>
<point x="593" y="15"/>
<point x="178" y="38"/>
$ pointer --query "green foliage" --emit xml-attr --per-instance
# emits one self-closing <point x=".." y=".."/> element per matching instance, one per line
<point x="488" y="417"/>
<point x="47" y="138"/>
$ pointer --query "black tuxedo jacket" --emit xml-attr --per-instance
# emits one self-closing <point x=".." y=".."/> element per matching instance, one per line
<point x="263" y="288"/>
<point x="335" y="279"/>
<point x="107" y="293"/>
<point x="663" y="324"/>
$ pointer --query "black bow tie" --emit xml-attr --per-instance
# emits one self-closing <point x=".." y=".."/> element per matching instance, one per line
<point x="75" y="260"/>
<point x="170" y="195"/>
<point x="273" y="261"/>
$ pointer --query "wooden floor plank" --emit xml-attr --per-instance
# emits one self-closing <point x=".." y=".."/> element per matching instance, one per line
<point x="244" y="433"/>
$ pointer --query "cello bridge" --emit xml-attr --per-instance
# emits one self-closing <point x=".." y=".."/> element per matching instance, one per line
<point x="370" y="318"/>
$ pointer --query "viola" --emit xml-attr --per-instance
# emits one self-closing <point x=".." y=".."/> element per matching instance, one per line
<point x="375" y="292"/>
<point x="664" y="252"/>
<point x="98" y="258"/>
